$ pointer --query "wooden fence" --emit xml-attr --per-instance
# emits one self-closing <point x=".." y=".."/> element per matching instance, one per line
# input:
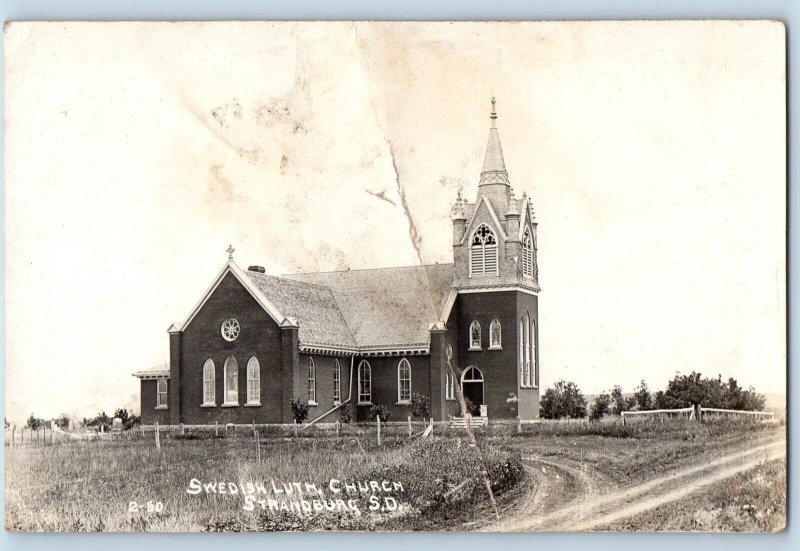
<point x="697" y="413"/>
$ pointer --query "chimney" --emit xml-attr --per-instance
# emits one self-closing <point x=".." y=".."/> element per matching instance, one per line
<point x="259" y="269"/>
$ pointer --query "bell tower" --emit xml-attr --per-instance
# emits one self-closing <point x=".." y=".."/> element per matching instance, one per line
<point x="494" y="238"/>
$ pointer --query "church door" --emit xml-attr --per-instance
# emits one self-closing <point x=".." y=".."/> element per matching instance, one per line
<point x="472" y="382"/>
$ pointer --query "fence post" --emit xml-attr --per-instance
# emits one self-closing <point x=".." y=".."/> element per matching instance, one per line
<point x="622" y="414"/>
<point x="378" y="418"/>
<point x="158" y="438"/>
<point x="258" y="447"/>
<point x="409" y="426"/>
<point x="519" y="424"/>
<point x="22" y="436"/>
<point x="182" y="430"/>
<point x="13" y="434"/>
<point x="52" y="436"/>
<point x="216" y="428"/>
<point x="255" y="434"/>
<point x="338" y="428"/>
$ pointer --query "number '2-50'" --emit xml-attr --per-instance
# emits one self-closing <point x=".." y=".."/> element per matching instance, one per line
<point x="149" y="507"/>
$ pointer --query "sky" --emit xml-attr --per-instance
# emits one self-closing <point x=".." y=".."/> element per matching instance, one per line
<point x="654" y="153"/>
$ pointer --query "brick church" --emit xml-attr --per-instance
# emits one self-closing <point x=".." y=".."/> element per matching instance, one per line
<point x="357" y="338"/>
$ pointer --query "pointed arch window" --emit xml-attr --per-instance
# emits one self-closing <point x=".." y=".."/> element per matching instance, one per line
<point x="483" y="252"/>
<point x="312" y="382"/>
<point x="449" y="387"/>
<point x="231" y="376"/>
<point x="364" y="383"/>
<point x="404" y="382"/>
<point x="495" y="341"/>
<point x="337" y="382"/>
<point x="532" y="371"/>
<point x="253" y="382"/>
<point x="527" y="254"/>
<point x="475" y="335"/>
<point x="526" y="373"/>
<point x="521" y="355"/>
<point x="209" y="381"/>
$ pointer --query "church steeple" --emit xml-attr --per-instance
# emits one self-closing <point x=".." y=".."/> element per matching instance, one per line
<point x="494" y="166"/>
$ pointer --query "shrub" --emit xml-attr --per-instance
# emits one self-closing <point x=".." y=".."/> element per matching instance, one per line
<point x="299" y="411"/>
<point x="564" y="400"/>
<point x="345" y="415"/>
<point x="420" y="406"/>
<point x="601" y="406"/>
<point x="379" y="410"/>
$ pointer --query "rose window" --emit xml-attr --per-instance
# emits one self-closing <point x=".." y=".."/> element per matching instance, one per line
<point x="230" y="329"/>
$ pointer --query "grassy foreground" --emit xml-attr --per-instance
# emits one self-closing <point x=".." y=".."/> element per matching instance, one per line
<point x="212" y="484"/>
<point x="127" y="485"/>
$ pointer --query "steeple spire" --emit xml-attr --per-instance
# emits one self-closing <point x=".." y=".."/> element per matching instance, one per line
<point x="494" y="166"/>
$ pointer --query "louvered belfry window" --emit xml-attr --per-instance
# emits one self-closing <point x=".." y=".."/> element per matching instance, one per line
<point x="527" y="254"/>
<point x="483" y="252"/>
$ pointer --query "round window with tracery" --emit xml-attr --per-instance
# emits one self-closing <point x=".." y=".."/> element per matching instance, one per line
<point x="230" y="329"/>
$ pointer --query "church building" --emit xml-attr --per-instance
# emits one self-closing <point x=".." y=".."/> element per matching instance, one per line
<point x="358" y="338"/>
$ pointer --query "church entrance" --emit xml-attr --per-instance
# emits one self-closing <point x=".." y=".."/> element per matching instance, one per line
<point x="472" y="383"/>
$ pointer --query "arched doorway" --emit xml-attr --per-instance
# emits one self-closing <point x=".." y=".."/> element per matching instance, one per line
<point x="472" y="383"/>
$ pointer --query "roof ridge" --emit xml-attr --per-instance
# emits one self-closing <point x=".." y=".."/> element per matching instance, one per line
<point x="367" y="269"/>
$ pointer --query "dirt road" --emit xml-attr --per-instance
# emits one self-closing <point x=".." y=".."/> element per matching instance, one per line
<point x="566" y="496"/>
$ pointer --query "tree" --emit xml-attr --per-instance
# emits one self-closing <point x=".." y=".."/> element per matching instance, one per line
<point x="686" y="390"/>
<point x="62" y="421"/>
<point x="34" y="423"/>
<point x="563" y="400"/>
<point x="601" y="406"/>
<point x="617" y="400"/>
<point x="299" y="411"/>
<point x="420" y="406"/>
<point x="642" y="396"/>
<point x="100" y="422"/>
<point x="122" y="414"/>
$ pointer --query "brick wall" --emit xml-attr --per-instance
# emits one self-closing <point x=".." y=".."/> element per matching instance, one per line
<point x="148" y="409"/>
<point x="499" y="367"/>
<point x="384" y="384"/>
<point x="324" y="379"/>
<point x="260" y="336"/>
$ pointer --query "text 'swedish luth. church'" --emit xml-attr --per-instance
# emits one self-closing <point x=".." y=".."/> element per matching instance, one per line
<point x="357" y="338"/>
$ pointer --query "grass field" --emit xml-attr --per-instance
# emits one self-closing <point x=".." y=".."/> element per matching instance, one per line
<point x="90" y="486"/>
<point x="123" y="485"/>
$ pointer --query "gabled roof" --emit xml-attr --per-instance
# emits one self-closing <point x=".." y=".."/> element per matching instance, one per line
<point x="498" y="227"/>
<point x="313" y="306"/>
<point x="230" y="267"/>
<point x="387" y="307"/>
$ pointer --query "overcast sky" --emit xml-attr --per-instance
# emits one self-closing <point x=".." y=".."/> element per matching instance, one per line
<point x="136" y="152"/>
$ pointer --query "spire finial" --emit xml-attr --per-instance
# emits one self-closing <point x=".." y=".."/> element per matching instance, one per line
<point x="494" y="111"/>
<point x="230" y="250"/>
